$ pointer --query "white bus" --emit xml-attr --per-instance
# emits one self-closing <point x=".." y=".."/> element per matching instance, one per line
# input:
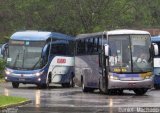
<point x="110" y="61"/>
<point x="41" y="58"/>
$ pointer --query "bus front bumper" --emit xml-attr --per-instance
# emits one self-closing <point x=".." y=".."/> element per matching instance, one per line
<point x="25" y="80"/>
<point x="119" y="84"/>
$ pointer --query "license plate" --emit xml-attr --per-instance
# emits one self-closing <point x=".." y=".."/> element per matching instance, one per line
<point x="21" y="79"/>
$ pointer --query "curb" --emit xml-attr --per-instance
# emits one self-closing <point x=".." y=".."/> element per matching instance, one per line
<point x="15" y="105"/>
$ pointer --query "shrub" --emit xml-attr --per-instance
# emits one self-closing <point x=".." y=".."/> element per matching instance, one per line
<point x="2" y="66"/>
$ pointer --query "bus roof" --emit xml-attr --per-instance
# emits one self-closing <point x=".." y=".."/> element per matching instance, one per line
<point x="126" y="31"/>
<point x="114" y="32"/>
<point x="39" y="35"/>
<point x="155" y="38"/>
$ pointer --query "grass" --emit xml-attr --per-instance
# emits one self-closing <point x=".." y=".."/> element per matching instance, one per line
<point x="9" y="101"/>
<point x="1" y="80"/>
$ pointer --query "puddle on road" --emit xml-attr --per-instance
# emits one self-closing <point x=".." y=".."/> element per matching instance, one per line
<point x="6" y="92"/>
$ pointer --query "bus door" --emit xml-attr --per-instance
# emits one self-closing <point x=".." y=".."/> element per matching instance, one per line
<point x="103" y="66"/>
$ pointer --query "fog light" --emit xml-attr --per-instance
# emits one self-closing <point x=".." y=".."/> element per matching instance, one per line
<point x="113" y="77"/>
<point x="147" y="77"/>
<point x="39" y="79"/>
<point x="6" y="78"/>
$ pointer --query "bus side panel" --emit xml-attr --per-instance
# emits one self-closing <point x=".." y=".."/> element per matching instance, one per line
<point x="157" y="75"/>
<point x="87" y="66"/>
<point x="78" y="71"/>
<point x="61" y="69"/>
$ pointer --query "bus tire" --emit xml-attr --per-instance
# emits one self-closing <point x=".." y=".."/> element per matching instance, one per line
<point x="141" y="91"/>
<point x="156" y="86"/>
<point x="120" y="91"/>
<point x="68" y="85"/>
<point x="49" y="80"/>
<point x="42" y="86"/>
<point x="103" y="88"/>
<point x="84" y="89"/>
<point x="65" y="85"/>
<point x="15" y="84"/>
<point x="71" y="82"/>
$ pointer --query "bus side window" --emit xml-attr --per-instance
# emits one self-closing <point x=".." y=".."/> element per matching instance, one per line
<point x="81" y="49"/>
<point x="100" y="51"/>
<point x="158" y="43"/>
<point x="76" y="47"/>
<point x="45" y="54"/>
<point x="96" y="45"/>
<point x="100" y="44"/>
<point x="90" y="46"/>
<point x="71" y="48"/>
<point x="86" y="46"/>
<point x="79" y="42"/>
<point x="59" y="49"/>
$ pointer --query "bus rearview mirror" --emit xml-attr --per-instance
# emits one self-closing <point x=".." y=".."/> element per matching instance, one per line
<point x="106" y="49"/>
<point x="4" y="48"/>
<point x="156" y="49"/>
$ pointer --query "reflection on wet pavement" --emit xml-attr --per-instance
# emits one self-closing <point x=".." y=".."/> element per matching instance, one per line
<point x="63" y="100"/>
<point x="37" y="98"/>
<point x="6" y="92"/>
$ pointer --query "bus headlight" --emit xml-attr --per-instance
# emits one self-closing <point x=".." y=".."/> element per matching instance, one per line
<point x="39" y="73"/>
<point x="147" y="77"/>
<point x="113" y="77"/>
<point x="7" y="72"/>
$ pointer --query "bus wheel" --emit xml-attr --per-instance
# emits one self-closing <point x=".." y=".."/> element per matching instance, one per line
<point x="42" y="86"/>
<point x="71" y="82"/>
<point x="84" y="89"/>
<point x="120" y="91"/>
<point x="140" y="91"/>
<point x="156" y="86"/>
<point x="103" y="88"/>
<point x="15" y="85"/>
<point x="65" y="85"/>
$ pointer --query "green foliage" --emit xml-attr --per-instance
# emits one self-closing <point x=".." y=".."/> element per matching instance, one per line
<point x="76" y="16"/>
<point x="9" y="100"/>
<point x="2" y="66"/>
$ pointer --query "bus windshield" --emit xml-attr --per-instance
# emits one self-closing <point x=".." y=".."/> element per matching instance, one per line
<point x="130" y="53"/>
<point x="24" y="55"/>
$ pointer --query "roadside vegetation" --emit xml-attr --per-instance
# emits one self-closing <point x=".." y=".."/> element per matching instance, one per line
<point x="2" y="66"/>
<point x="9" y="101"/>
<point x="6" y="101"/>
<point x="77" y="16"/>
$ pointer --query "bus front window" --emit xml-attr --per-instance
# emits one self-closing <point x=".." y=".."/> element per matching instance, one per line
<point x="24" y="56"/>
<point x="120" y="57"/>
<point x="130" y="53"/>
<point x="32" y="58"/>
<point x="140" y="53"/>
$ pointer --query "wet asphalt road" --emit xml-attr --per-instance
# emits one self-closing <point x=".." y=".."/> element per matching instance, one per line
<point x="73" y="100"/>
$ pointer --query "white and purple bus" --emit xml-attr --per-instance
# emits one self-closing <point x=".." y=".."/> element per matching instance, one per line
<point x="41" y="58"/>
<point x="110" y="61"/>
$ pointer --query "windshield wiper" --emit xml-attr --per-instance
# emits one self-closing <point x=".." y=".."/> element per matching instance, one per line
<point x="36" y="63"/>
<point x="15" y="62"/>
<point x="23" y="58"/>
